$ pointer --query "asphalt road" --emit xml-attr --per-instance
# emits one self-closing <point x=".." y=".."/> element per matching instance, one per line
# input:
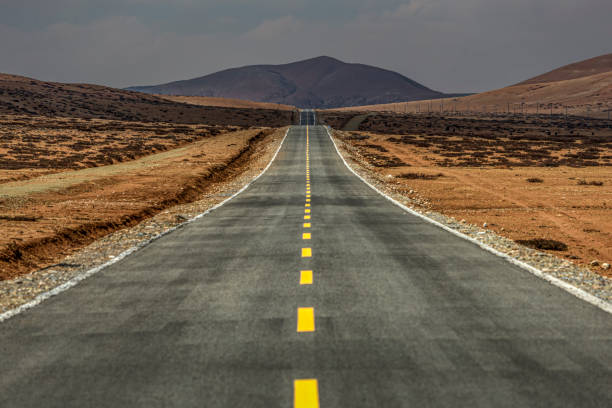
<point x="399" y="313"/>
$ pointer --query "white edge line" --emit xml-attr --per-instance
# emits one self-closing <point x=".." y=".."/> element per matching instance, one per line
<point x="579" y="293"/>
<point x="77" y="279"/>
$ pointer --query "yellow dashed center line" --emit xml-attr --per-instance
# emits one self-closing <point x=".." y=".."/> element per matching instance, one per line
<point x="305" y="319"/>
<point x="306" y="393"/>
<point x="305" y="277"/>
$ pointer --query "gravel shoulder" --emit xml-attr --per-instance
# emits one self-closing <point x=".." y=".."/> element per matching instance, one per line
<point x="564" y="270"/>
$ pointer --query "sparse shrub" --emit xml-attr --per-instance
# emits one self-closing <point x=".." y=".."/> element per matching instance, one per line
<point x="535" y="180"/>
<point x="543" y="244"/>
<point x="18" y="218"/>
<point x="590" y="183"/>
<point x="420" y="176"/>
<point x="357" y="136"/>
<point x="379" y="148"/>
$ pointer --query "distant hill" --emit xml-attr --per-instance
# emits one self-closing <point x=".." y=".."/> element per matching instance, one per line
<point x="583" y="88"/>
<point x="27" y="96"/>
<point x="321" y="82"/>
<point x="592" y="66"/>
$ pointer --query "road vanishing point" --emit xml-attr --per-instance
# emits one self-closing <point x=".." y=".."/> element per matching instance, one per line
<point x="309" y="289"/>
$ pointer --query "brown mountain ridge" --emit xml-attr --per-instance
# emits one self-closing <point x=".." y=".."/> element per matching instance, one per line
<point x="26" y="96"/>
<point x="321" y="82"/>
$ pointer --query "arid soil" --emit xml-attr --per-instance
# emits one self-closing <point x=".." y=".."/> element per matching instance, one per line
<point x="546" y="184"/>
<point x="226" y="102"/>
<point x="26" y="96"/>
<point x="45" y="218"/>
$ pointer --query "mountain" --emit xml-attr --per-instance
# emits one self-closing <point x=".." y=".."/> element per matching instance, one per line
<point x="26" y="96"/>
<point x="322" y="82"/>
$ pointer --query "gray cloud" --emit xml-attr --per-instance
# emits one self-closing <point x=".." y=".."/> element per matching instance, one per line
<point x="449" y="45"/>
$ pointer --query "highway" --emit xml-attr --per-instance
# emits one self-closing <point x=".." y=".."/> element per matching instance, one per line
<point x="309" y="290"/>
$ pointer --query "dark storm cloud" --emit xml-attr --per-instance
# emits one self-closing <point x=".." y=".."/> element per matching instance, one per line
<point x="450" y="45"/>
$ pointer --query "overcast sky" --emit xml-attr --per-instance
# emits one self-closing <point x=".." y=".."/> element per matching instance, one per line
<point x="448" y="45"/>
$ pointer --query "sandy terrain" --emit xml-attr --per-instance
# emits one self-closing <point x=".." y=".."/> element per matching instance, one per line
<point x="226" y="102"/>
<point x="525" y="184"/>
<point x="45" y="218"/>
